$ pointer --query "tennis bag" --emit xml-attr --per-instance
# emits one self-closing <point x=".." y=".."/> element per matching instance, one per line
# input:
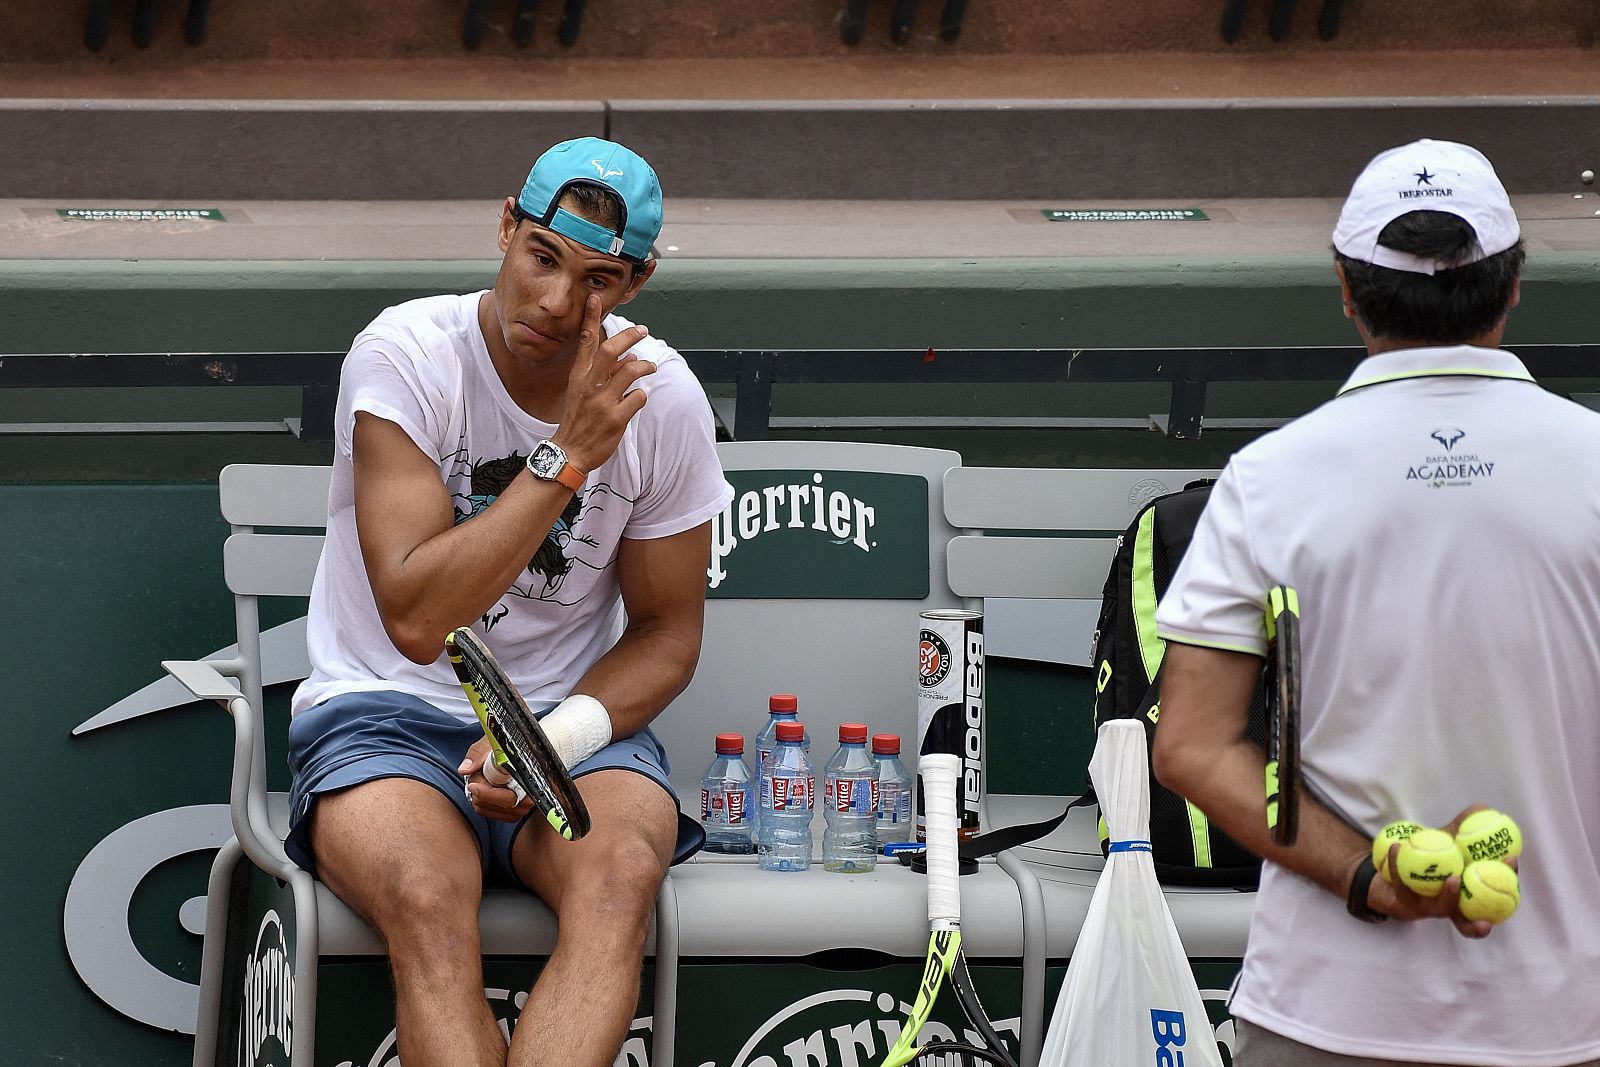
<point x="1187" y="848"/>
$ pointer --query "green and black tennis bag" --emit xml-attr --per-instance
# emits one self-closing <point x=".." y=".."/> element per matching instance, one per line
<point x="1186" y="847"/>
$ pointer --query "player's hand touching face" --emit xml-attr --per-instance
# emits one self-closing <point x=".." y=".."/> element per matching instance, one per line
<point x="601" y="396"/>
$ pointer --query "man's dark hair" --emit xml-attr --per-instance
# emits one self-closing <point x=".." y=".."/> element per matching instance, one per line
<point x="601" y="206"/>
<point x="1446" y="308"/>
<point x="594" y="202"/>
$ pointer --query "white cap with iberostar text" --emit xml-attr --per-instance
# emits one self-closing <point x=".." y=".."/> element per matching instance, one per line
<point x="1425" y="176"/>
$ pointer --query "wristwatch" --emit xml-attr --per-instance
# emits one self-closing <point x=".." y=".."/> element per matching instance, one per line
<point x="548" y="460"/>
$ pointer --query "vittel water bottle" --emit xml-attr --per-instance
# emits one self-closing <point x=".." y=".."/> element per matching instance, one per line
<point x="726" y="800"/>
<point x="788" y="798"/>
<point x="850" y="843"/>
<point x="894" y="790"/>
<point x="781" y="707"/>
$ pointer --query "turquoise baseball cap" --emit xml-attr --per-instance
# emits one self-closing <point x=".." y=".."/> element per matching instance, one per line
<point x="593" y="161"/>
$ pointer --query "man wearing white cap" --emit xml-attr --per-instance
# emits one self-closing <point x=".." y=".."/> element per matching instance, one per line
<point x="1440" y="519"/>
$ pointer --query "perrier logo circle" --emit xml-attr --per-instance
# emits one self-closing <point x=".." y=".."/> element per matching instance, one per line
<point x="933" y="659"/>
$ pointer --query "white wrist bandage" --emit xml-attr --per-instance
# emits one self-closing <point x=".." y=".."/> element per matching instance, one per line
<point x="577" y="728"/>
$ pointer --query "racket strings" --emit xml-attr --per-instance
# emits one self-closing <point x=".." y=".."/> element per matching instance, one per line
<point x="947" y="1055"/>
<point x="519" y="744"/>
<point x="509" y="729"/>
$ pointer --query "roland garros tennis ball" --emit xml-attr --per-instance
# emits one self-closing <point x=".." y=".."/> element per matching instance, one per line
<point x="1489" y="890"/>
<point x="1488" y="835"/>
<point x="1426" y="859"/>
<point x="1392" y="834"/>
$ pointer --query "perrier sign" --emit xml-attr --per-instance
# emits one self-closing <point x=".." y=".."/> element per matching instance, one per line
<point x="817" y="535"/>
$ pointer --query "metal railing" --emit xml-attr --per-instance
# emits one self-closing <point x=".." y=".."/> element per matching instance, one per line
<point x="755" y="374"/>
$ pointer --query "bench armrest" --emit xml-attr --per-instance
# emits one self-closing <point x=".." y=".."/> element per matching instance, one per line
<point x="247" y="795"/>
<point x="202" y="678"/>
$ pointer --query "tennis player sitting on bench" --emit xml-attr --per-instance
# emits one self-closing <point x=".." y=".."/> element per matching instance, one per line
<point x="498" y="465"/>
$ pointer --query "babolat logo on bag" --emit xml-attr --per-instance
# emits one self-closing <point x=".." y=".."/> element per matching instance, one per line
<point x="817" y="535"/>
<point x="1170" y="1035"/>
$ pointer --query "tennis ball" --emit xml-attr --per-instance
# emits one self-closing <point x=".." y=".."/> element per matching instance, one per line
<point x="1392" y="834"/>
<point x="1426" y="859"/>
<point x="1489" y="890"/>
<point x="1488" y="835"/>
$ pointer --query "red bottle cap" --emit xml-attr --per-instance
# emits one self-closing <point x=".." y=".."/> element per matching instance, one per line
<point x="886" y="744"/>
<point x="854" y="733"/>
<point x="730" y="744"/>
<point x="791" y="731"/>
<point x="783" y="702"/>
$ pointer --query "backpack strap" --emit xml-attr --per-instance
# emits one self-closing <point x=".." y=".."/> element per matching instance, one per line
<point x="1022" y="833"/>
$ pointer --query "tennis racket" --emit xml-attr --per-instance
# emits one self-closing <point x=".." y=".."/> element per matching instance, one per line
<point x="1283" y="714"/>
<point x="518" y="747"/>
<point x="945" y="960"/>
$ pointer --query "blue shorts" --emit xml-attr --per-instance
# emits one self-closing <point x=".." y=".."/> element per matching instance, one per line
<point x="361" y="737"/>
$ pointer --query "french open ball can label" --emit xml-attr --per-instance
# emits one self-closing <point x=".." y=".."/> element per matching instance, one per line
<point x="950" y="706"/>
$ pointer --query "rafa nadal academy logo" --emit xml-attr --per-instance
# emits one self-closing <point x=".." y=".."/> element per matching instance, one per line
<point x="1449" y="468"/>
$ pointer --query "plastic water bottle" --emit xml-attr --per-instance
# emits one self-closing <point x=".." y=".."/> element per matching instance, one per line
<point x="781" y="707"/>
<point x="894" y="790"/>
<point x="788" y="799"/>
<point x="850" y="843"/>
<point x="726" y="808"/>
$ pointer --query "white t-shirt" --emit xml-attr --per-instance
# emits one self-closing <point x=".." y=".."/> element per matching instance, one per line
<point x="1440" y="520"/>
<point x="423" y="366"/>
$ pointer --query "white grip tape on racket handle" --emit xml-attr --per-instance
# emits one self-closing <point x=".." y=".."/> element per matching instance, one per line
<point x="492" y="772"/>
<point x="939" y="772"/>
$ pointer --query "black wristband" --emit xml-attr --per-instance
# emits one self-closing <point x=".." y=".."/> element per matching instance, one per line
<point x="1356" y="902"/>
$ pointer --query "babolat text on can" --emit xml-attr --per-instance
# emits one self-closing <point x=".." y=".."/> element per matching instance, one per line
<point x="950" y="705"/>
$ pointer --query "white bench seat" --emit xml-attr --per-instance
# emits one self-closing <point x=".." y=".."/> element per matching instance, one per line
<point x="735" y="909"/>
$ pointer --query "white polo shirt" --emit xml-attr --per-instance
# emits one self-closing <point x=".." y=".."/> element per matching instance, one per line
<point x="1440" y="519"/>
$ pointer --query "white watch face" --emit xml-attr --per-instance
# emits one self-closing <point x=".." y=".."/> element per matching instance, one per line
<point x="547" y="460"/>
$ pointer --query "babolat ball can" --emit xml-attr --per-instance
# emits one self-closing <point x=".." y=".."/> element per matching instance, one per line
<point x="950" y="706"/>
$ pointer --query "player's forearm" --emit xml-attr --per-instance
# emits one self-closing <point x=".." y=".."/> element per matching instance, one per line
<point x="641" y="674"/>
<point x="457" y="575"/>
<point x="1227" y="782"/>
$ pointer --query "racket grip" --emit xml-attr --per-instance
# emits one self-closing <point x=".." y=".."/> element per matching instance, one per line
<point x="939" y="771"/>
<point x="493" y="773"/>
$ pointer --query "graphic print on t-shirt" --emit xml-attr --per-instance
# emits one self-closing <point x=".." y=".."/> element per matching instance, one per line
<point x="564" y="548"/>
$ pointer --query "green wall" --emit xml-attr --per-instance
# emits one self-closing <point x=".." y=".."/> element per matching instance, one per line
<point x="154" y="306"/>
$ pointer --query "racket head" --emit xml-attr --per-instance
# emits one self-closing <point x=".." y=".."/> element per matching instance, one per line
<point x="949" y="1054"/>
<point x="994" y="1050"/>
<point x="1283" y="714"/>
<point x="518" y="744"/>
<point x="944" y="946"/>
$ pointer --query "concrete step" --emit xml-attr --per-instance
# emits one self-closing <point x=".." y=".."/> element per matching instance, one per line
<point x="934" y="149"/>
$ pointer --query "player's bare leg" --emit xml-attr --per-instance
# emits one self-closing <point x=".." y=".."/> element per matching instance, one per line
<point x="603" y="889"/>
<point x="400" y="854"/>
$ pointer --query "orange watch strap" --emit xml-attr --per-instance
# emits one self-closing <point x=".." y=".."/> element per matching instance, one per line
<point x="571" y="477"/>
